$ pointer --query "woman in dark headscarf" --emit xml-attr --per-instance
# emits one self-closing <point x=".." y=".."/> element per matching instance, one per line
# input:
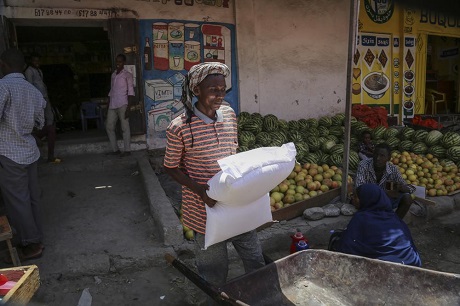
<point x="375" y="231"/>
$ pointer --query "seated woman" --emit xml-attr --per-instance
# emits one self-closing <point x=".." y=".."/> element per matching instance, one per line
<point x="375" y="231"/>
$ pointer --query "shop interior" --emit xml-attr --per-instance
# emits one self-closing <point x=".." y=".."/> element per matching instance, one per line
<point x="442" y="75"/>
<point x="76" y="64"/>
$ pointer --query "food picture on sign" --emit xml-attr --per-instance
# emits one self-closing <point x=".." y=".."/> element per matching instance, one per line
<point x="376" y="84"/>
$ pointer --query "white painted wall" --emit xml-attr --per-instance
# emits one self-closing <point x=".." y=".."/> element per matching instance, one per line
<point x="292" y="55"/>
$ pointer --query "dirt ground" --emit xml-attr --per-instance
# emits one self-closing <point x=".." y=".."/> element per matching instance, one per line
<point x="128" y="268"/>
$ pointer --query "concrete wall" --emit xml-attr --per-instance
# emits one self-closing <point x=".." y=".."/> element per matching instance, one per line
<point x="292" y="56"/>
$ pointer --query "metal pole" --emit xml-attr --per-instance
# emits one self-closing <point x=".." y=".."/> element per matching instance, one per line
<point x="352" y="35"/>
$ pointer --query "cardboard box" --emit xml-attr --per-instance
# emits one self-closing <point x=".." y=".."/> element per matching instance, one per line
<point x="159" y="90"/>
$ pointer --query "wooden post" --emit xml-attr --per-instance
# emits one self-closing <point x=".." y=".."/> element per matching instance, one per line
<point x="352" y="34"/>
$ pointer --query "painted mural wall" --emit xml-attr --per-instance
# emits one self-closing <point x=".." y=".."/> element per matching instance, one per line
<point x="407" y="29"/>
<point x="170" y="49"/>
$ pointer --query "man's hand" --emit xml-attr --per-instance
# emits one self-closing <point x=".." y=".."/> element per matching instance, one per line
<point x="204" y="196"/>
<point x="127" y="113"/>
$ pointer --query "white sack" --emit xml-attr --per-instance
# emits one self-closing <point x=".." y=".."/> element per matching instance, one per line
<point x="247" y="176"/>
<point x="225" y="221"/>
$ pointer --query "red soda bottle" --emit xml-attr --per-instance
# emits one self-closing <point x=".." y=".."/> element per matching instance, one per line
<point x="298" y="236"/>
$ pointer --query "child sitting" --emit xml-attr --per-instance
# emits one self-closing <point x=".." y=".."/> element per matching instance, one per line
<point x="366" y="147"/>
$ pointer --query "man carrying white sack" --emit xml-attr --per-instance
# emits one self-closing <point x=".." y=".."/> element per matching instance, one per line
<point x="196" y="140"/>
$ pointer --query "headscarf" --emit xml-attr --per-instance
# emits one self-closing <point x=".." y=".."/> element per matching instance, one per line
<point x="196" y="75"/>
<point x="375" y="231"/>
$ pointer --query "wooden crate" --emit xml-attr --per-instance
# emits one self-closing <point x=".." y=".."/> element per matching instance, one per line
<point x="28" y="281"/>
<point x="296" y="210"/>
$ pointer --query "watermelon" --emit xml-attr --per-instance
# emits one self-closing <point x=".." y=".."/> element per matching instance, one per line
<point x="251" y="126"/>
<point x="336" y="160"/>
<point x="325" y="121"/>
<point x="312" y="123"/>
<point x="323" y="159"/>
<point x="311" y="158"/>
<point x="405" y="145"/>
<point x="323" y="131"/>
<point x="390" y="132"/>
<point x="450" y="139"/>
<point x="255" y="146"/>
<point x="303" y="124"/>
<point x="257" y="119"/>
<point x="454" y="153"/>
<point x="419" y="148"/>
<point x="293" y="125"/>
<point x="338" y="119"/>
<point x="337" y="131"/>
<point x="327" y="146"/>
<point x="420" y="136"/>
<point x="313" y="132"/>
<point x="283" y="125"/>
<point x="295" y="136"/>
<point x="377" y="133"/>
<point x="313" y="144"/>
<point x="433" y="138"/>
<point x="353" y="160"/>
<point x="333" y="138"/>
<point x="378" y="141"/>
<point x="278" y="137"/>
<point x="337" y="149"/>
<point x="263" y="138"/>
<point x="270" y="123"/>
<point x="242" y="149"/>
<point x="246" y="138"/>
<point x="438" y="151"/>
<point x="406" y="133"/>
<point x="302" y="147"/>
<point x="393" y="142"/>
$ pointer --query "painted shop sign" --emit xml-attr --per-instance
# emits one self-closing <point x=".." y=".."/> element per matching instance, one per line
<point x="379" y="11"/>
<point x="64" y="13"/>
<point x="439" y="19"/>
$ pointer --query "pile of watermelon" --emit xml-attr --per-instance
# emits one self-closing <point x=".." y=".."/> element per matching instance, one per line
<point x="318" y="141"/>
<point x="445" y="147"/>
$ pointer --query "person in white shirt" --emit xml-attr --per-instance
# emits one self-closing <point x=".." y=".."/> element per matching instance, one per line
<point x="121" y="95"/>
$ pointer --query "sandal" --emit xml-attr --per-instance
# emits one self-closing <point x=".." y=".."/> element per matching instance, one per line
<point x="55" y="160"/>
<point x="31" y="251"/>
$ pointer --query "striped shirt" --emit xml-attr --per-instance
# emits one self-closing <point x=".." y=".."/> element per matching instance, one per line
<point x="21" y="109"/>
<point x="212" y="140"/>
<point x="366" y="174"/>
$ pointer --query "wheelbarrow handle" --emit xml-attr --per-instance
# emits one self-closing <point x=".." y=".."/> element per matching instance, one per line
<point x="201" y="283"/>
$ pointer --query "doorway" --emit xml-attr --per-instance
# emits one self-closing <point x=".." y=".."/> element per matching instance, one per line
<point x="442" y="75"/>
<point x="76" y="64"/>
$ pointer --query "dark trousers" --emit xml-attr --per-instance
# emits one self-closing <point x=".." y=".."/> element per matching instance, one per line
<point x="212" y="263"/>
<point x="48" y="131"/>
<point x="21" y="193"/>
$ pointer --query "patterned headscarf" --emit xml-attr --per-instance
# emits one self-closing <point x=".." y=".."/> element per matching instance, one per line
<point x="196" y="75"/>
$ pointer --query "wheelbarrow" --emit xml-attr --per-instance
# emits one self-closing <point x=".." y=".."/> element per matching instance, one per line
<point x="320" y="277"/>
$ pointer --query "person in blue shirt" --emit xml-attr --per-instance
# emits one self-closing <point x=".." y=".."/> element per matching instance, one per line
<point x="375" y="231"/>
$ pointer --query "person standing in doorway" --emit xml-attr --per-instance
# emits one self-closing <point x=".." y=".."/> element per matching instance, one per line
<point x="34" y="75"/>
<point x="121" y="96"/>
<point x="21" y="110"/>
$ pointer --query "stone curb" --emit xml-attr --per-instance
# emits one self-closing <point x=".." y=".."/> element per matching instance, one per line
<point x="165" y="218"/>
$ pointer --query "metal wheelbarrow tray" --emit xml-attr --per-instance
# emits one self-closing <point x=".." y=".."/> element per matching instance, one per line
<point x="320" y="277"/>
